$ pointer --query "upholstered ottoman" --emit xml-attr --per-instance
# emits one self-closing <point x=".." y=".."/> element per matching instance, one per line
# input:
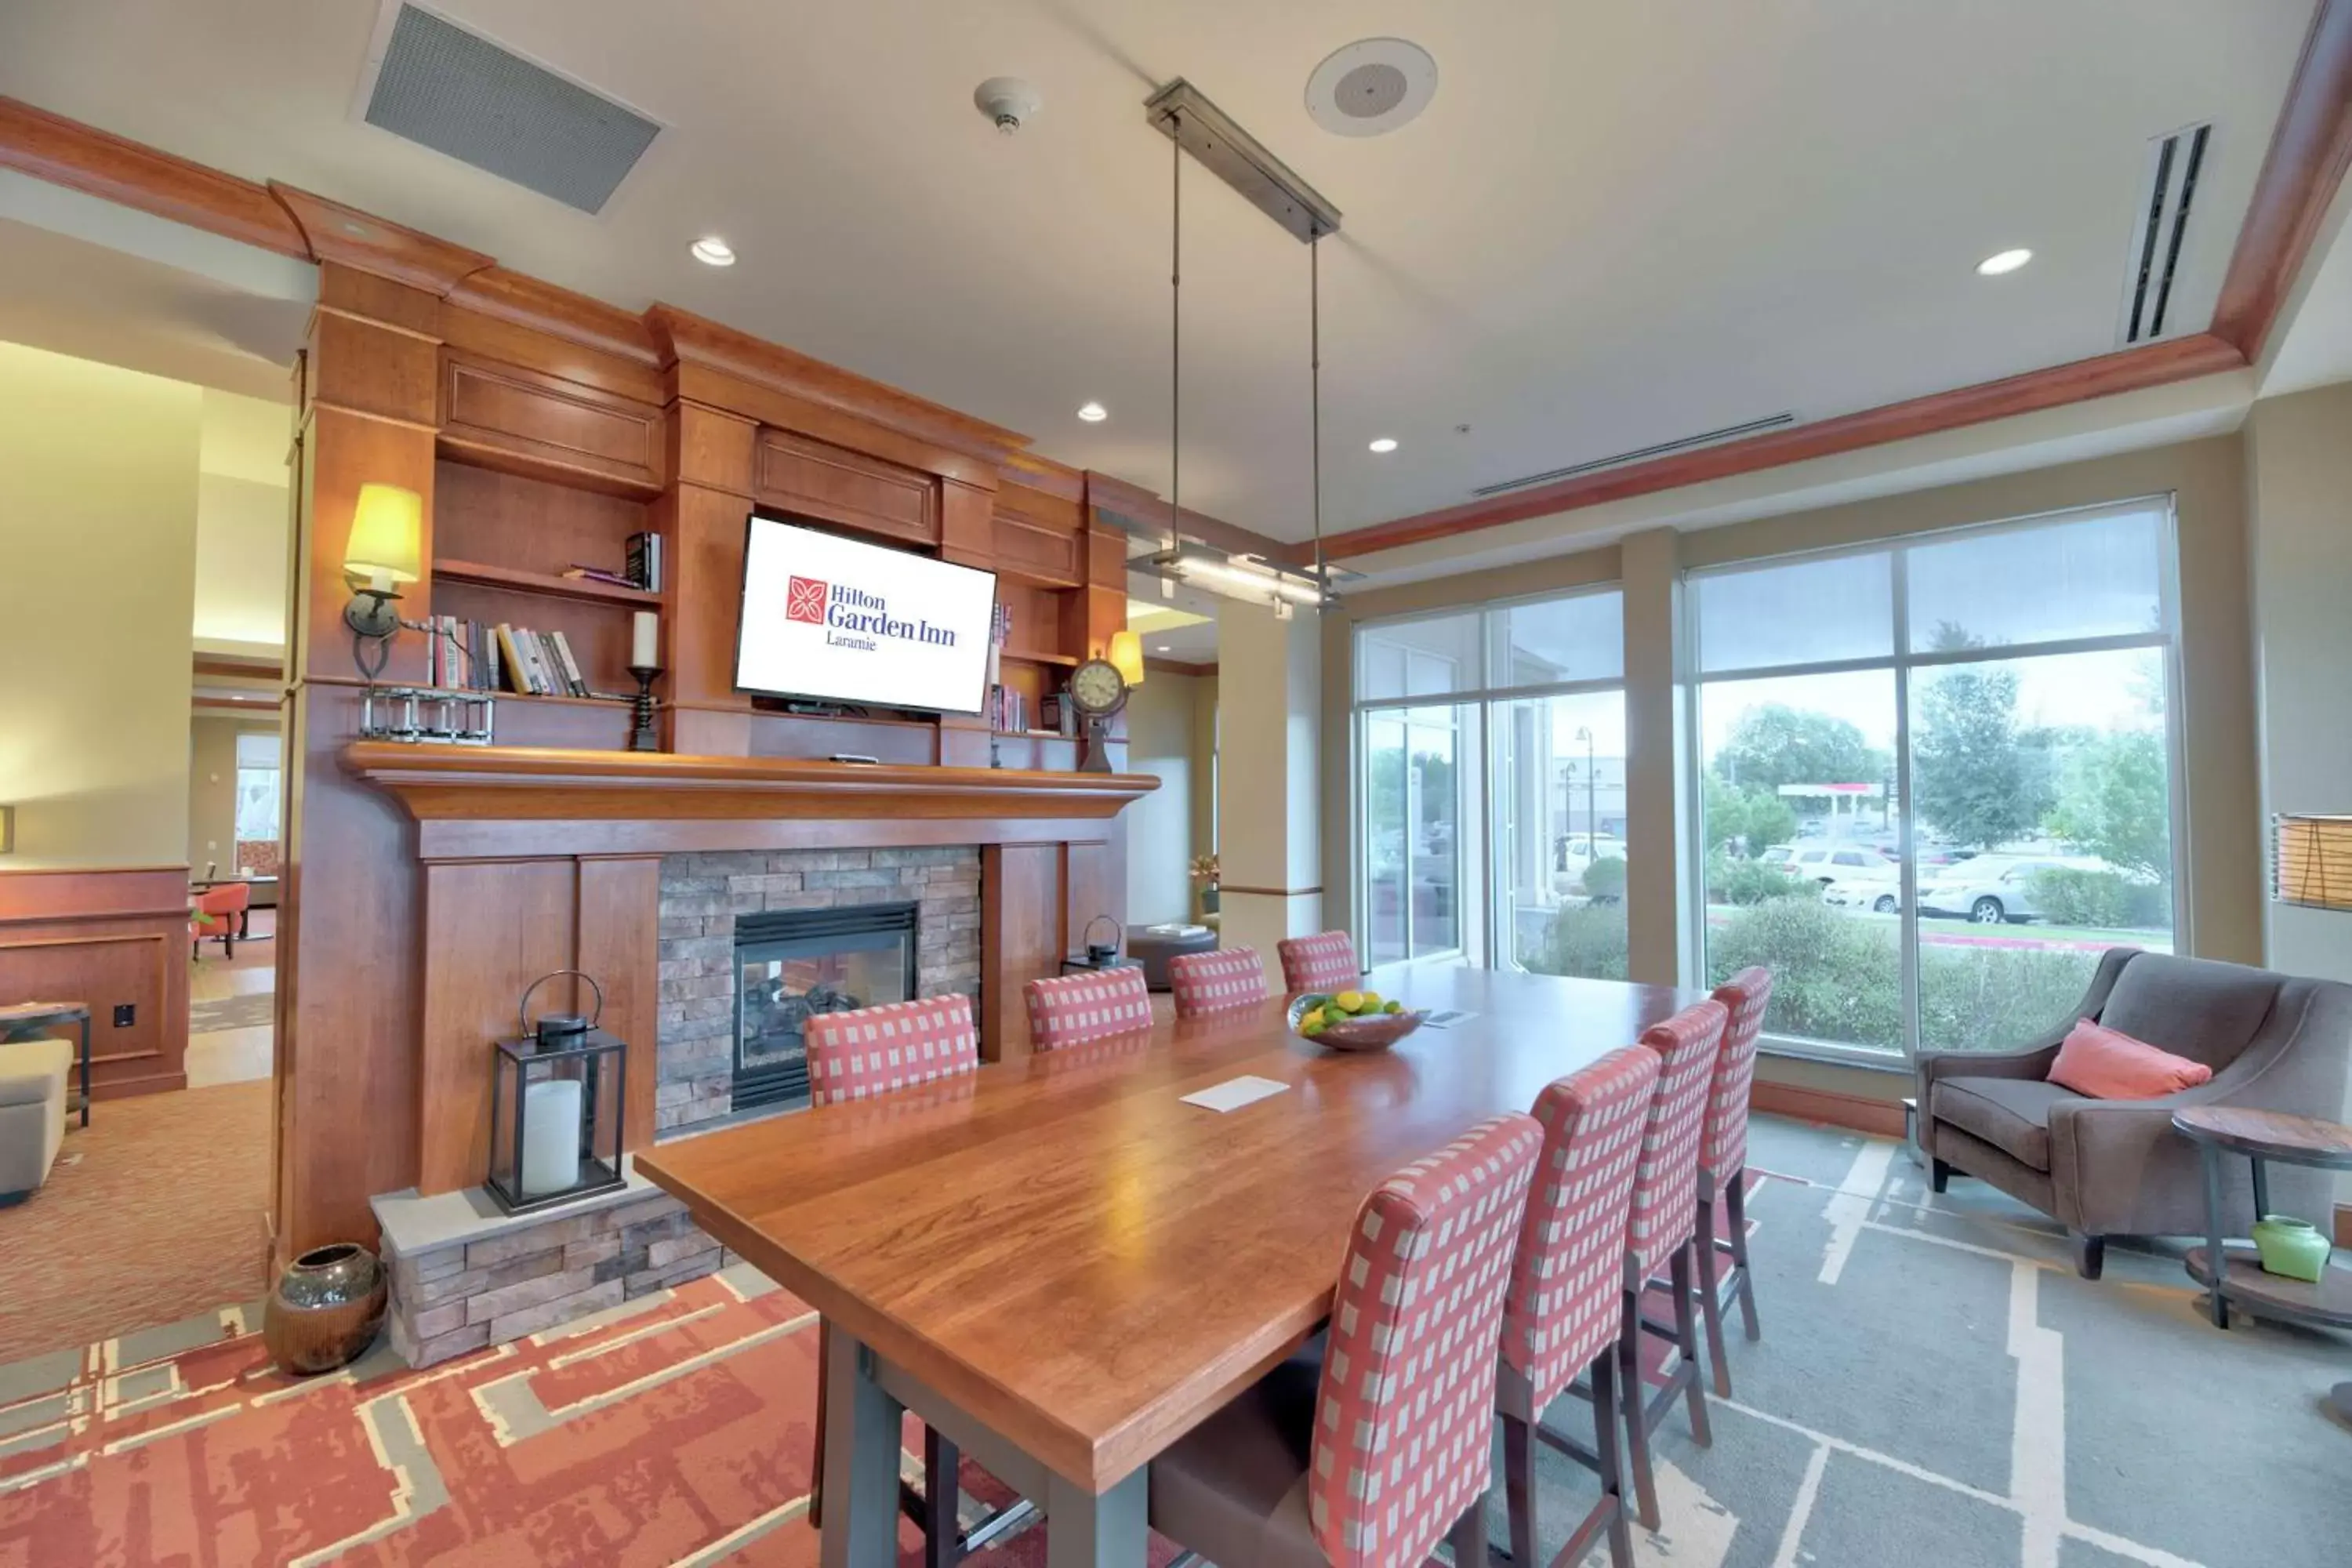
<point x="33" y="1075"/>
<point x="1153" y="946"/>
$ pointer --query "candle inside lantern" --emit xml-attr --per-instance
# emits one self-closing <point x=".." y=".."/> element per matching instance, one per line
<point x="550" y="1137"/>
<point x="644" y="641"/>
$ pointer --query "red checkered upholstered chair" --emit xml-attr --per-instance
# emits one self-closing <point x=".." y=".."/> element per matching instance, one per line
<point x="1372" y="1455"/>
<point x="1075" y="1008"/>
<point x="856" y="1056"/>
<point x="1665" y="1211"/>
<point x="1324" y="961"/>
<point x="1216" y="982"/>
<point x="1566" y="1306"/>
<point x="1723" y="1163"/>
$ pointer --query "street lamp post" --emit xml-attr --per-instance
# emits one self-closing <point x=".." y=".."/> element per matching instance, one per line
<point x="1592" y="797"/>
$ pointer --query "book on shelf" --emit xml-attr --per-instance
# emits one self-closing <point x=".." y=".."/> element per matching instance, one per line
<point x="645" y="561"/>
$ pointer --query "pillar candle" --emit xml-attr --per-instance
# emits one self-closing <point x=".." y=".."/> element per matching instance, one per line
<point x="550" y="1137"/>
<point x="644" y="641"/>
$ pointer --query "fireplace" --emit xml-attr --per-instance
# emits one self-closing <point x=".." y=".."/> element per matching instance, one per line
<point x="791" y="964"/>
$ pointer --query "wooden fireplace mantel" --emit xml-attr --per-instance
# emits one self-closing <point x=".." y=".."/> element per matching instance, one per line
<point x="655" y="801"/>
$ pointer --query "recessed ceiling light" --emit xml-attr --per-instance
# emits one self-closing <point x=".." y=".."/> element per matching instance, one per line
<point x="2007" y="261"/>
<point x="1093" y="413"/>
<point x="713" y="251"/>
<point x="1384" y="444"/>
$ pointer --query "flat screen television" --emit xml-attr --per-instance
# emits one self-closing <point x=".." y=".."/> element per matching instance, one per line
<point x="829" y="619"/>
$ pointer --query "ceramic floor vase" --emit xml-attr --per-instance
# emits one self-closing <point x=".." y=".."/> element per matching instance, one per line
<point x="326" y="1310"/>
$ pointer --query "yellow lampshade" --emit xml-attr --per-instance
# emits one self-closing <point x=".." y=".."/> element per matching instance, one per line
<point x="387" y="535"/>
<point x="1126" y="654"/>
<point x="2312" y="861"/>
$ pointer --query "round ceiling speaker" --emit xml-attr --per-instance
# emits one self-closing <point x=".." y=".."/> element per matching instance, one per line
<point x="1372" y="87"/>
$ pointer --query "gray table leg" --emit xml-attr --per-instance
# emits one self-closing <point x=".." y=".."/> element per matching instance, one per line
<point x="2215" y="1264"/>
<point x="85" y="1069"/>
<point x="1084" y="1530"/>
<point x="2261" y="1188"/>
<point x="861" y="1461"/>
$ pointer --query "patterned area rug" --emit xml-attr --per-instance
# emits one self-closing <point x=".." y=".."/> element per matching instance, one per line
<point x="232" y="1013"/>
<point x="1935" y="1389"/>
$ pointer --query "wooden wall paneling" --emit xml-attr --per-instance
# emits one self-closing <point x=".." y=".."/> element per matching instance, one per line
<point x="490" y="929"/>
<point x="914" y="741"/>
<point x="563" y="722"/>
<point x="835" y="485"/>
<point x="109" y="937"/>
<point x="365" y="367"/>
<point x="1093" y="884"/>
<point x="345" y="236"/>
<point x="533" y="525"/>
<point x="701" y="517"/>
<point x="967" y="531"/>
<point x="711" y="448"/>
<point x="781" y="410"/>
<point x="477" y="838"/>
<point x="1037" y="552"/>
<point x="469" y="326"/>
<point x="555" y="322"/>
<point x="1021" y="917"/>
<point x="617" y="930"/>
<point x="560" y="428"/>
<point x="68" y="152"/>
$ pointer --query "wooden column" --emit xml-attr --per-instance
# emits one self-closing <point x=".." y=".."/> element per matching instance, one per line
<point x="700" y="514"/>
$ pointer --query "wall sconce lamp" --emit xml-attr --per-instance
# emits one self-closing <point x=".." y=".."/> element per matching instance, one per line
<point x="1126" y="655"/>
<point x="384" y="553"/>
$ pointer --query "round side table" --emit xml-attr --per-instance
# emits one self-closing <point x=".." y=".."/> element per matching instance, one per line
<point x="2231" y="1271"/>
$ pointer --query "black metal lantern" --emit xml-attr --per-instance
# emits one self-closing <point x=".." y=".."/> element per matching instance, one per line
<point x="557" y="1105"/>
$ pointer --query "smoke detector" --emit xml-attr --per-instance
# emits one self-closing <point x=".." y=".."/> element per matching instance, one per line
<point x="1008" y="101"/>
<point x="1372" y="87"/>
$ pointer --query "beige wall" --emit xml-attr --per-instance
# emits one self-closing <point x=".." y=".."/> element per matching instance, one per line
<point x="212" y="787"/>
<point x="2207" y="479"/>
<point x="97" y="532"/>
<point x="243" y="524"/>
<point x="1162" y="739"/>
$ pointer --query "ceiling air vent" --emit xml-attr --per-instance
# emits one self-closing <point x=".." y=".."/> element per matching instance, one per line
<point x="441" y="87"/>
<point x="1704" y="439"/>
<point x="2167" y="192"/>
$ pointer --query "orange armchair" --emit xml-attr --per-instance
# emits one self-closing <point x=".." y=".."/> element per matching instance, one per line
<point x="220" y="912"/>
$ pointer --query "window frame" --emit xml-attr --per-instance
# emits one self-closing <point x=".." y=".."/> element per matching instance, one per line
<point x="1901" y="663"/>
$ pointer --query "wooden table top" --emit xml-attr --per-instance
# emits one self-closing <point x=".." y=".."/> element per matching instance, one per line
<point x="41" y="1011"/>
<point x="2271" y="1134"/>
<point x="1087" y="1264"/>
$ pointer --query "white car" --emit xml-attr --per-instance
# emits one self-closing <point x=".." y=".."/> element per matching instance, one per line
<point x="1828" y="864"/>
<point x="1878" y="896"/>
<point x="1994" y="889"/>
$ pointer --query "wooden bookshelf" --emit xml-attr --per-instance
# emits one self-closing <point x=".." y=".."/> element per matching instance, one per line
<point x="481" y="574"/>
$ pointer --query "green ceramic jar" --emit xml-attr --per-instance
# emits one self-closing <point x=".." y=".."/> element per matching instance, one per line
<point x="2290" y="1247"/>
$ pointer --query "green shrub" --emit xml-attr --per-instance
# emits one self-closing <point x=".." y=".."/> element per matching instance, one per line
<point x="2100" y="900"/>
<point x="1833" y="977"/>
<point x="1733" y="880"/>
<point x="1975" y="996"/>
<point x="1587" y="942"/>
<point x="1604" y="879"/>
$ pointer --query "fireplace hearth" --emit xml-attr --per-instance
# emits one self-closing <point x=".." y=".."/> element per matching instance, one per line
<point x="792" y="965"/>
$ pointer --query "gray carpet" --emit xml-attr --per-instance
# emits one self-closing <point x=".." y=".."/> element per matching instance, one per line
<point x="1937" y="1389"/>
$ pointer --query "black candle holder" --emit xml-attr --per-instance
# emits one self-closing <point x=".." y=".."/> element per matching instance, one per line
<point x="641" y="727"/>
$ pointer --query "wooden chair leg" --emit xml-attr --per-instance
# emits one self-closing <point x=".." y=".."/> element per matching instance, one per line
<point x="817" y="1467"/>
<point x="942" y="1490"/>
<point x="1520" y="1487"/>
<point x="1679" y="1279"/>
<point x="1469" y="1536"/>
<point x="1735" y="1211"/>
<point x="1711" y="1303"/>
<point x="1612" y="1470"/>
<point x="1939" y="1175"/>
<point x="1637" y="1428"/>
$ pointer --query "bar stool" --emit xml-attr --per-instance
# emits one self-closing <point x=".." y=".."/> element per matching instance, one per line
<point x="1222" y="981"/>
<point x="1665" y="1207"/>
<point x="856" y="1056"/>
<point x="1563" y="1312"/>
<point x="1372" y="1455"/>
<point x="1723" y="1163"/>
<point x="1324" y="961"/>
<point x="1071" y="1009"/>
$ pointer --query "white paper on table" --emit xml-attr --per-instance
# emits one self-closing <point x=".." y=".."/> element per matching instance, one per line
<point x="1446" y="1017"/>
<point x="1235" y="1092"/>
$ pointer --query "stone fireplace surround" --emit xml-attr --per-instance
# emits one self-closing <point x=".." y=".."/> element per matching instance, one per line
<point x="702" y="894"/>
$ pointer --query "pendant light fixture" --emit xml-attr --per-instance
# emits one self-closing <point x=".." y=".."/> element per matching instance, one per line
<point x="1194" y="124"/>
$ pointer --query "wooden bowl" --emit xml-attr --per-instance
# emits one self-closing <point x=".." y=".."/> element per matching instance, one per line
<point x="1374" y="1032"/>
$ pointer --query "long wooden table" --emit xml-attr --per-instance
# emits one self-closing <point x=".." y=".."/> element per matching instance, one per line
<point x="1065" y="1268"/>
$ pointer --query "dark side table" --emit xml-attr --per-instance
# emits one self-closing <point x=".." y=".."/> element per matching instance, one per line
<point x="19" y="1019"/>
<point x="2232" y="1271"/>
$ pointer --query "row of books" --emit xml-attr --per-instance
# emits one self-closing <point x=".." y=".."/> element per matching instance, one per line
<point x="641" y="566"/>
<point x="478" y="655"/>
<point x="1008" y="708"/>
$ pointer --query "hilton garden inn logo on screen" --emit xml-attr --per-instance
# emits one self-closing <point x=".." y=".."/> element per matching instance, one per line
<point x="853" y="618"/>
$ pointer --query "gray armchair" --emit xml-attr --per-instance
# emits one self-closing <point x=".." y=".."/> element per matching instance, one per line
<point x="2104" y="1167"/>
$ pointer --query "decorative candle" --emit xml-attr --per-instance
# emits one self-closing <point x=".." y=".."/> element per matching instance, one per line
<point x="644" y="641"/>
<point x="551" y="1136"/>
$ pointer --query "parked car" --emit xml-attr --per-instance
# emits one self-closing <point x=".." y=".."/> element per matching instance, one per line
<point x="1994" y="889"/>
<point x="1572" y="852"/>
<point x="1879" y="898"/>
<point x="1829" y="863"/>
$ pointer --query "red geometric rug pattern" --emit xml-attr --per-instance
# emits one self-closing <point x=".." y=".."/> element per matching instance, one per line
<point x="675" y="1434"/>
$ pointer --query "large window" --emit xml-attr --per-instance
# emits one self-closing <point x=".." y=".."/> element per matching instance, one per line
<point x="1490" y="750"/>
<point x="1937" y="778"/>
<point x="257" y="788"/>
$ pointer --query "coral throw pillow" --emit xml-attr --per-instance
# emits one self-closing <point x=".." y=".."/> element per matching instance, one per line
<point x="2108" y="1065"/>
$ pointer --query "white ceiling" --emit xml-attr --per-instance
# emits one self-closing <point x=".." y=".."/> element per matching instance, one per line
<point x="1616" y="224"/>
